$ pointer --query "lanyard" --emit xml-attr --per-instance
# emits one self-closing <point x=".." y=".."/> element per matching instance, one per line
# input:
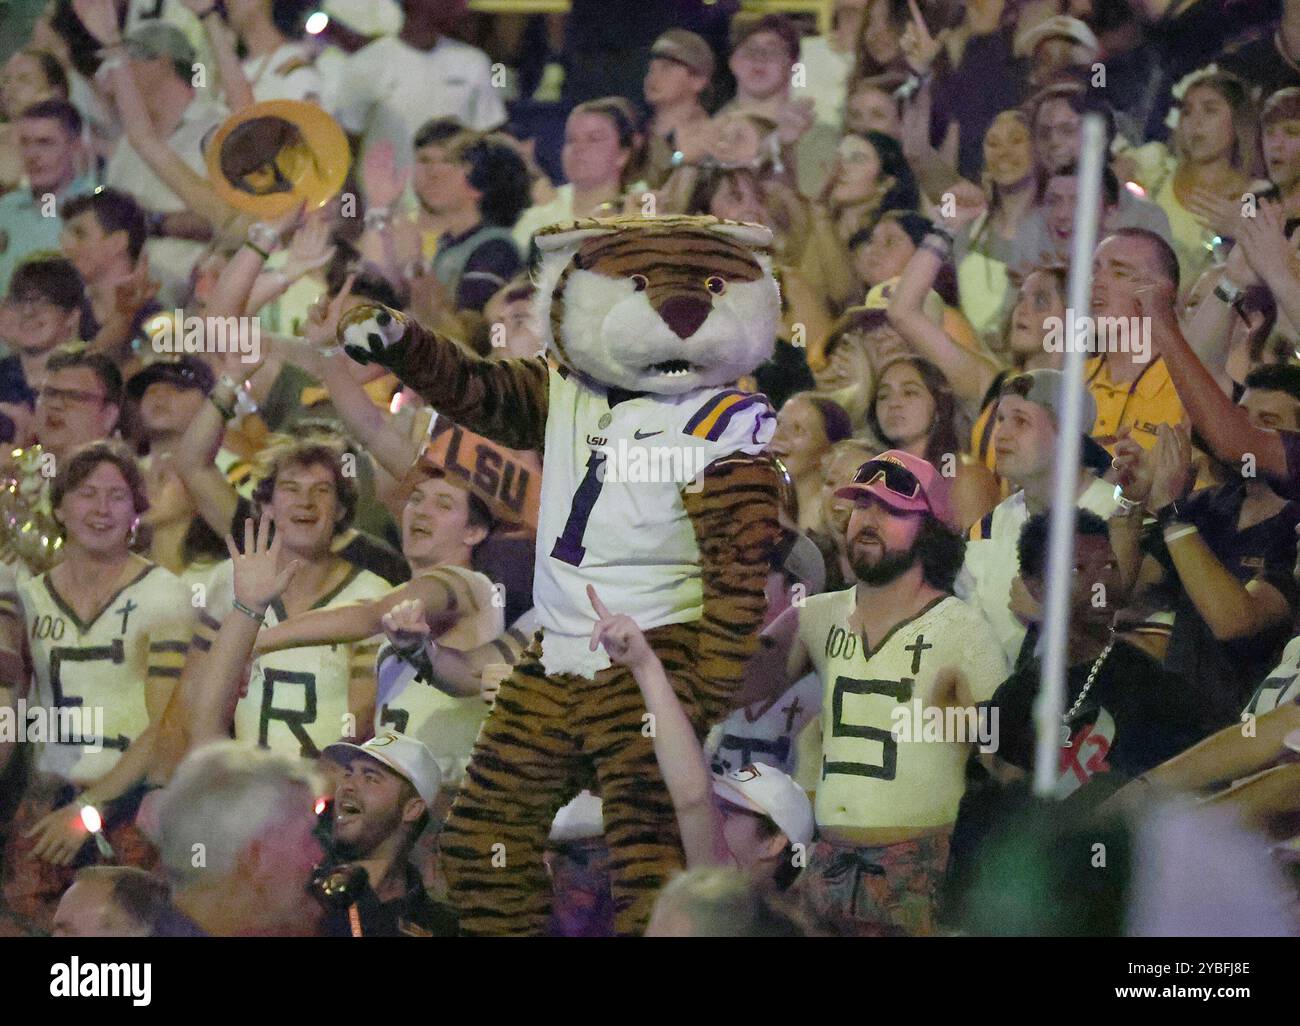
<point x="1131" y="388"/>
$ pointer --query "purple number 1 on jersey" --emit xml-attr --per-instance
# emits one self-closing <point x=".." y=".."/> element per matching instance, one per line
<point x="568" y="546"/>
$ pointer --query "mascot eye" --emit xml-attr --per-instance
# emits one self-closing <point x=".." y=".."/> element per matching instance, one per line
<point x="640" y="282"/>
<point x="715" y="284"/>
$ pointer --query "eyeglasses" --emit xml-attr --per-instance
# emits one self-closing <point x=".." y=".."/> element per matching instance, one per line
<point x="899" y="480"/>
<point x="50" y="394"/>
<point x="33" y="306"/>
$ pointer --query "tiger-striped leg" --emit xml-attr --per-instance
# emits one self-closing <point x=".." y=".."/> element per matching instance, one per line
<point x="640" y="822"/>
<point x="519" y="775"/>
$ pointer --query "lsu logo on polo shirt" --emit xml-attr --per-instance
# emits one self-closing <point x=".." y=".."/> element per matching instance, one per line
<point x="1141" y="405"/>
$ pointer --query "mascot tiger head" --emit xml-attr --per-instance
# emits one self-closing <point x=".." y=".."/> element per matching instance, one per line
<point x="663" y="304"/>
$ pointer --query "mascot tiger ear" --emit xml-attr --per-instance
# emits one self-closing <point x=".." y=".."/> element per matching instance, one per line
<point x="661" y="305"/>
<point x="562" y="237"/>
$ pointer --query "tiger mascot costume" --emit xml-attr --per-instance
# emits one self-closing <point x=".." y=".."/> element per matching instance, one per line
<point x="648" y="323"/>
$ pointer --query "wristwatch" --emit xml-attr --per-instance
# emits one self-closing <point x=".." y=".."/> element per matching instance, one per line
<point x="263" y="237"/>
<point x="942" y="232"/>
<point x="1171" y="514"/>
<point x="1127" y="506"/>
<point x="1229" y="291"/>
<point x="939" y="243"/>
<point x="241" y="402"/>
<point x="377" y="218"/>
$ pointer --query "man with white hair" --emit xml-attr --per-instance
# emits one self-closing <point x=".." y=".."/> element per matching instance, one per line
<point x="236" y="835"/>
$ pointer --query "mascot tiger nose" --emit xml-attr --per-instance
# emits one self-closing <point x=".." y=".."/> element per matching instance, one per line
<point x="649" y="323"/>
<point x="684" y="314"/>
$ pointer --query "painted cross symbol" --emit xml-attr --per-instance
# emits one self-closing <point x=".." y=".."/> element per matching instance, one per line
<point x="126" y="612"/>
<point x="791" y="711"/>
<point x="916" y="650"/>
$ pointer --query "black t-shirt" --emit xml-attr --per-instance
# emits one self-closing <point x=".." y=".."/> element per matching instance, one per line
<point x="1135" y="717"/>
<point x="1223" y="675"/>
<point x="1288" y="485"/>
<point x="90" y="325"/>
<point x="414" y="914"/>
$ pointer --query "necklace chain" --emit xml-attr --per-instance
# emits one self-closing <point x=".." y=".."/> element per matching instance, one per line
<point x="1092" y="677"/>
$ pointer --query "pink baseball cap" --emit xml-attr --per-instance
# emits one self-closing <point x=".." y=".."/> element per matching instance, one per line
<point x="903" y="482"/>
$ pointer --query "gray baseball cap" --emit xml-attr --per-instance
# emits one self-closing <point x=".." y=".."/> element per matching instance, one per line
<point x="1046" y="387"/>
<point x="158" y="40"/>
<point x="685" y="48"/>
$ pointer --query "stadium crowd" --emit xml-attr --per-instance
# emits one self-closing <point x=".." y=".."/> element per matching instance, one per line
<point x="284" y="590"/>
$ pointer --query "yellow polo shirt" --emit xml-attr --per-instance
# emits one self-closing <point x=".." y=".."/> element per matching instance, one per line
<point x="1141" y="405"/>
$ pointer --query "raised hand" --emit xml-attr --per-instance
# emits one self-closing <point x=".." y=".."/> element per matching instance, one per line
<point x="795" y="118"/>
<point x="919" y="47"/>
<point x="310" y="248"/>
<point x="321" y="327"/>
<point x="1238" y="269"/>
<point x="430" y="299"/>
<point x="914" y="134"/>
<point x="60" y="835"/>
<point x="406" y="626"/>
<point x="1134" y="470"/>
<point x="134" y="292"/>
<point x="1157" y="299"/>
<point x="288" y="222"/>
<point x="99" y="18"/>
<point x="1220" y="214"/>
<point x="1172" y="470"/>
<point x="381" y="177"/>
<point x="259" y="580"/>
<point x="1263" y="240"/>
<point x="619" y="634"/>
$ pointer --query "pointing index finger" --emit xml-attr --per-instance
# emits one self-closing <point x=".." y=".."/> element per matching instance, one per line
<point x="596" y="603"/>
<point x="346" y="290"/>
<point x="917" y="17"/>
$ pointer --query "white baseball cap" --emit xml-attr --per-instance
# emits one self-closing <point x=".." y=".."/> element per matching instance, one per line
<point x="1059" y="26"/>
<point x="408" y="757"/>
<point x="581" y="818"/>
<point x="766" y="790"/>
<point x="371" y="18"/>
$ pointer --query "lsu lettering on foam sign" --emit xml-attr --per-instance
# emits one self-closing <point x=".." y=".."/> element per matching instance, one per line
<point x="509" y="481"/>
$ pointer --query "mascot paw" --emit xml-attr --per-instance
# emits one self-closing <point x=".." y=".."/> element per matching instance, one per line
<point x="369" y="332"/>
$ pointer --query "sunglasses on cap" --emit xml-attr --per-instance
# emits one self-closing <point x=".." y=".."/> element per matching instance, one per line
<point x="1018" y="384"/>
<point x="898" y="479"/>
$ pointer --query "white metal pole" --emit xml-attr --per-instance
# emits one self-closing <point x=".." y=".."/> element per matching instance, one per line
<point x="1050" y="704"/>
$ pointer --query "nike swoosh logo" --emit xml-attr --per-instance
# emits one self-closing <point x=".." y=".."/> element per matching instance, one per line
<point x="649" y="434"/>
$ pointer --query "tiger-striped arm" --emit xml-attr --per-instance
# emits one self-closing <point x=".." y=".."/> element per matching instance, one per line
<point x="504" y="400"/>
<point x="735" y="520"/>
